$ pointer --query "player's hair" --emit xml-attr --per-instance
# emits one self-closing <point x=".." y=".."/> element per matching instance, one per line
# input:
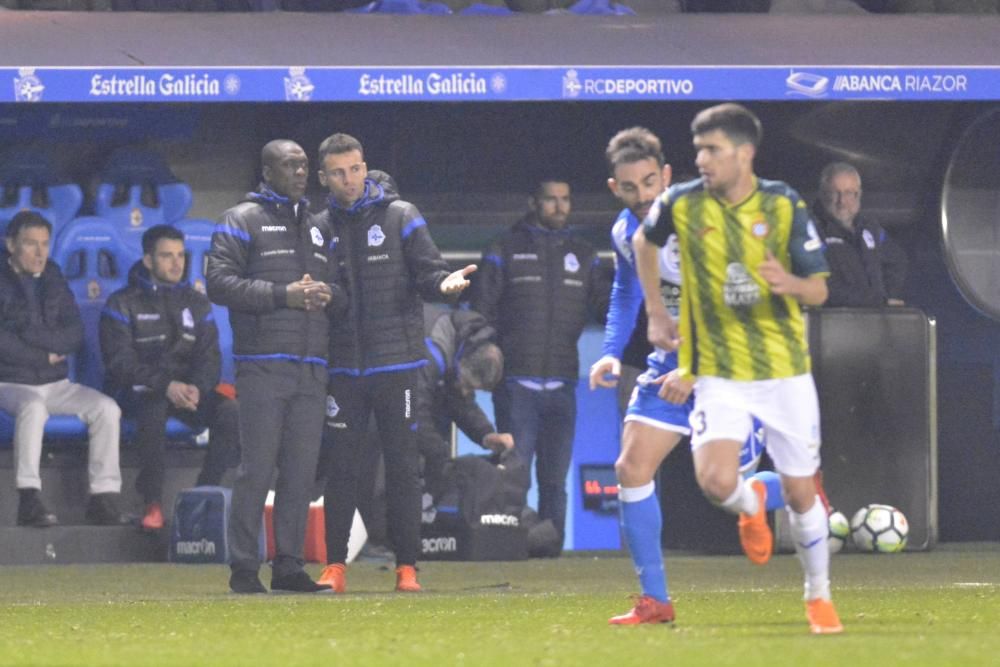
<point x="25" y="219"/>
<point x="339" y="143"/>
<point x="835" y="169"/>
<point x="482" y="366"/>
<point x="633" y="145"/>
<point x="735" y="120"/>
<point x="156" y="233"/>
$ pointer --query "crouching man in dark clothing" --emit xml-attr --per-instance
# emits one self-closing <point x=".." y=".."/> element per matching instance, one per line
<point x="463" y="357"/>
<point x="160" y="348"/>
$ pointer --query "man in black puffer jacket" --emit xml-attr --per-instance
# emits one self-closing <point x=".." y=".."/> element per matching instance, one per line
<point x="537" y="284"/>
<point x="269" y="265"/>
<point x="160" y="348"/>
<point x="39" y="328"/>
<point x="388" y="263"/>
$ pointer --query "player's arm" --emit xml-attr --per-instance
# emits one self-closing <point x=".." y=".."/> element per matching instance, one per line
<point x="623" y="308"/>
<point x="809" y="291"/>
<point x="647" y="241"/>
<point x="808" y="258"/>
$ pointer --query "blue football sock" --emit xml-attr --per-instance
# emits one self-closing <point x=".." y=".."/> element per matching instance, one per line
<point x="642" y="523"/>
<point x="772" y="481"/>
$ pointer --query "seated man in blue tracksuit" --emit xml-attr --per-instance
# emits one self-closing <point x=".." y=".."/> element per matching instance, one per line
<point x="160" y="348"/>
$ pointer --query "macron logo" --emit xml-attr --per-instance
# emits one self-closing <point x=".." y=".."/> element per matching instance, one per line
<point x="499" y="520"/>
<point x="273" y="228"/>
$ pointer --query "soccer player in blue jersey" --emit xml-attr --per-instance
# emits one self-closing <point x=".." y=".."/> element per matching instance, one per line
<point x="750" y="258"/>
<point x="657" y="415"/>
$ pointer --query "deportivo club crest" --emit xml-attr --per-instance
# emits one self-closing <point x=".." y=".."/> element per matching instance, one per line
<point x="570" y="263"/>
<point x="375" y="236"/>
<point x="332" y="409"/>
<point x="317" y="236"/>
<point x="298" y="87"/>
<point x="27" y="86"/>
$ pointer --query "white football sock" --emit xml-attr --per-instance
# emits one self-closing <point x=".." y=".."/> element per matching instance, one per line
<point x="810" y="531"/>
<point x="743" y="499"/>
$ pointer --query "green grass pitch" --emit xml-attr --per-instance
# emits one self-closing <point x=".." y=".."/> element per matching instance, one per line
<point x="913" y="609"/>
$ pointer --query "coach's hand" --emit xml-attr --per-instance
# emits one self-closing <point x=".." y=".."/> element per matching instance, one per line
<point x="457" y="281"/>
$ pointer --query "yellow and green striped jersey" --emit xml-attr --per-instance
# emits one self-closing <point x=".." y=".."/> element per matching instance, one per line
<point x="731" y="325"/>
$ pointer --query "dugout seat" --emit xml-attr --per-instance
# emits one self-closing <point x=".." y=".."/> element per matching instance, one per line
<point x="95" y="260"/>
<point x="28" y="181"/>
<point x="138" y="190"/>
<point x="479" y="9"/>
<point x="198" y="241"/>
<point x="599" y="8"/>
<point x="402" y="7"/>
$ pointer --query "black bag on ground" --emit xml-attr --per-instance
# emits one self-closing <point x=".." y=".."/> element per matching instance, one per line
<point x="478" y="516"/>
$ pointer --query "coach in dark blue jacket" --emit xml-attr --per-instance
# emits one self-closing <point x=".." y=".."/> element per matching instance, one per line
<point x="388" y="263"/>
<point x="269" y="265"/>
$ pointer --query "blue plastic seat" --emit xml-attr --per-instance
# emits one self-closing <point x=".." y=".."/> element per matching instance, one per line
<point x="95" y="260"/>
<point x="28" y="181"/>
<point x="599" y="8"/>
<point x="198" y="241"/>
<point x="402" y="7"/>
<point x="64" y="203"/>
<point x="479" y="9"/>
<point x="137" y="191"/>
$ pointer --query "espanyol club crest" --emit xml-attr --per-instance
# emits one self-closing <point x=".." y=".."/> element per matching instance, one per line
<point x="570" y="263"/>
<point x="317" y="236"/>
<point x="332" y="409"/>
<point x="868" y="239"/>
<point x="376" y="236"/>
<point x="187" y="319"/>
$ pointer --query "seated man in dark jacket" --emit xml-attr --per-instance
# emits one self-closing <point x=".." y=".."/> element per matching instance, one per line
<point x="39" y="328"/>
<point x="161" y="355"/>
<point x="867" y="269"/>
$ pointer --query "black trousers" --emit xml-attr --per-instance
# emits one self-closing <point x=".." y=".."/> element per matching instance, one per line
<point x="281" y="427"/>
<point x="215" y="412"/>
<point x="351" y="400"/>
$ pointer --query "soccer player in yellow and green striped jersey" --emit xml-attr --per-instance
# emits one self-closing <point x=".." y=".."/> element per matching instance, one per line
<point x="750" y="257"/>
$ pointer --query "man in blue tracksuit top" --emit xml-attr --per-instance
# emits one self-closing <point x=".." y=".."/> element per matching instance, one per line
<point x="269" y="265"/>
<point x="387" y="262"/>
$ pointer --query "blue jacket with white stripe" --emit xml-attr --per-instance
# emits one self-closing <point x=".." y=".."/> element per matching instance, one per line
<point x="154" y="334"/>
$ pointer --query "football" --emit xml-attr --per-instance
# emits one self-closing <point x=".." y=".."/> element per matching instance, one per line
<point x="879" y="529"/>
<point x="840" y="530"/>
